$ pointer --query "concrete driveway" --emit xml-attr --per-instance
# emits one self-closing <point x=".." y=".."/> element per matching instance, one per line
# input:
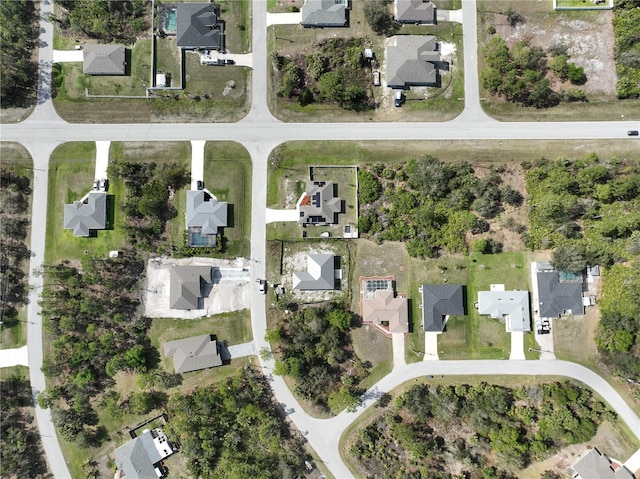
<point x="449" y="16"/>
<point x="66" y="56"/>
<point x="431" y="346"/>
<point x="14" y="357"/>
<point x="517" y="345"/>
<point x="238" y="351"/>
<point x="102" y="159"/>
<point x="274" y="216"/>
<point x="197" y="162"/>
<point x="284" y="18"/>
<point x="397" y="341"/>
<point x="241" y="59"/>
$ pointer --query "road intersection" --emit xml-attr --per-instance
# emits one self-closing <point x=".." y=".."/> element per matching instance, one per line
<point x="260" y="133"/>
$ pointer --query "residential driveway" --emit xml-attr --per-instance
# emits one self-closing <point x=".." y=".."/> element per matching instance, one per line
<point x="633" y="463"/>
<point x="431" y="346"/>
<point x="284" y="18"/>
<point x="238" y="351"/>
<point x="241" y="59"/>
<point x="14" y="357"/>
<point x="63" y="56"/>
<point x="102" y="159"/>
<point x="197" y="163"/>
<point x="517" y="345"/>
<point x="397" y="341"/>
<point x="274" y="216"/>
<point x="449" y="16"/>
<point x="545" y="341"/>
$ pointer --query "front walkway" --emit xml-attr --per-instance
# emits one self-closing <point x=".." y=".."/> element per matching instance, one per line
<point x="102" y="159"/>
<point x="430" y="346"/>
<point x="14" y="357"/>
<point x="197" y="163"/>
<point x="273" y="216"/>
<point x="397" y="341"/>
<point x="66" y="56"/>
<point x="517" y="345"/>
<point x="284" y="18"/>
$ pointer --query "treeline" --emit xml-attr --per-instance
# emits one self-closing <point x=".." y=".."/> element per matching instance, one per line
<point x="626" y="18"/>
<point x="106" y="20"/>
<point x="91" y="317"/>
<point x="21" y="452"/>
<point x="15" y="191"/>
<point x="336" y="72"/>
<point x="148" y="202"/>
<point x="18" y="65"/>
<point x="430" y="204"/>
<point x="313" y="347"/>
<point x="519" y="73"/>
<point x="235" y="429"/>
<point x="475" y="431"/>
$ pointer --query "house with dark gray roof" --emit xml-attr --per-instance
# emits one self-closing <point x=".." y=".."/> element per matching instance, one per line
<point x="141" y="457"/>
<point x="103" y="60"/>
<point x="559" y="293"/>
<point x="414" y="11"/>
<point x="512" y="307"/>
<point x="412" y="60"/>
<point x="595" y="465"/>
<point x="205" y="216"/>
<point x="320" y="274"/>
<point x="193" y="354"/>
<point x="324" y="13"/>
<point x="188" y="285"/>
<point x="319" y="205"/>
<point x="87" y="215"/>
<point x="198" y="26"/>
<point x="439" y="301"/>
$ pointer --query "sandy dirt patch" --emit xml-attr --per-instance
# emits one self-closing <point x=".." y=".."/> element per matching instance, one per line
<point x="231" y="290"/>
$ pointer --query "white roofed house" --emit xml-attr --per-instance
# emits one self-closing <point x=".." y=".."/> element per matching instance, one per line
<point x="512" y="307"/>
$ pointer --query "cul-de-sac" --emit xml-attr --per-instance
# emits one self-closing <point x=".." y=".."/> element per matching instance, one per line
<point x="305" y="239"/>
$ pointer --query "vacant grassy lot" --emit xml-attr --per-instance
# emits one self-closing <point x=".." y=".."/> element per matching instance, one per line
<point x="589" y="38"/>
<point x="227" y="174"/>
<point x="168" y="57"/>
<point x="71" y="175"/>
<point x="237" y="17"/>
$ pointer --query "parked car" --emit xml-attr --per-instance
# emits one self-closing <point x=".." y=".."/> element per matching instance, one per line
<point x="104" y="184"/>
<point x="376" y="78"/>
<point x="200" y="185"/>
<point x="96" y="185"/>
<point x="632" y="133"/>
<point x="229" y="61"/>
<point x="398" y="99"/>
<point x="262" y="285"/>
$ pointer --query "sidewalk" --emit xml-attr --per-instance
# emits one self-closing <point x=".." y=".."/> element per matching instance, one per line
<point x="14" y="357"/>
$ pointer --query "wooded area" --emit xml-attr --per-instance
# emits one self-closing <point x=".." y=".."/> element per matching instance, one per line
<point x="626" y="18"/>
<point x="479" y="431"/>
<point x="236" y="430"/>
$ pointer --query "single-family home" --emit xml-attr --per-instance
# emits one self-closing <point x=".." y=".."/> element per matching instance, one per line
<point x="320" y="275"/>
<point x="559" y="292"/>
<point x="380" y="306"/>
<point x="103" y="59"/>
<point x="319" y="204"/>
<point x="188" y="286"/>
<point x="205" y="216"/>
<point x="198" y="25"/>
<point x="412" y="60"/>
<point x="595" y="465"/>
<point x="414" y="11"/>
<point x="439" y="301"/>
<point x="510" y="306"/>
<point x="193" y="354"/>
<point x="324" y="13"/>
<point x="141" y="458"/>
<point x="87" y="215"/>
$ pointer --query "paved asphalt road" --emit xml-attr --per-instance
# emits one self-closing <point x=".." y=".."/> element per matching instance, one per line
<point x="260" y="132"/>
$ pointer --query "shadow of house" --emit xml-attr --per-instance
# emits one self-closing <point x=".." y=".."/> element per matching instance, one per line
<point x="87" y="215"/>
<point x="413" y="60"/>
<point x="415" y="12"/>
<point x="325" y="13"/>
<point x="105" y="60"/>
<point x="198" y="25"/>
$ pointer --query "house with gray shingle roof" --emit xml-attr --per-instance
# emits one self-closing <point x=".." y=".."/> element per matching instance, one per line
<point x="510" y="306"/>
<point x="103" y="60"/>
<point x="414" y="11"/>
<point x="594" y="465"/>
<point x="439" y="301"/>
<point x="199" y="26"/>
<point x="87" y="215"/>
<point x="324" y="13"/>
<point x="320" y="274"/>
<point x="205" y="216"/>
<point x="319" y="205"/>
<point x="187" y="286"/>
<point x="193" y="354"/>
<point x="412" y="60"/>
<point x="558" y="294"/>
<point x="140" y="458"/>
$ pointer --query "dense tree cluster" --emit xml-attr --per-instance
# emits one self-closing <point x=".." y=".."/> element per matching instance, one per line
<point x="519" y="74"/>
<point x="336" y="72"/>
<point x="15" y="191"/>
<point x="313" y="347"/>
<point x="626" y="18"/>
<point x="430" y="204"/>
<point x="477" y="432"/>
<point x="18" y="68"/>
<point x="148" y="204"/>
<point x="91" y="316"/>
<point x="378" y="16"/>
<point x="106" y="20"/>
<point x="21" y="453"/>
<point x="235" y="430"/>
<point x="589" y="204"/>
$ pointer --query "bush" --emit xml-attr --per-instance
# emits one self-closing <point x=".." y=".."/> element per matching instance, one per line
<point x="378" y="16"/>
<point x="576" y="74"/>
<point x="369" y="188"/>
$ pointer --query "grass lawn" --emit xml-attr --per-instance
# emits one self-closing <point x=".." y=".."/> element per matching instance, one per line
<point x="371" y="345"/>
<point x="168" y="59"/>
<point x="283" y="6"/>
<point x="71" y="175"/>
<point x="16" y="158"/>
<point x="237" y="17"/>
<point x="227" y="174"/>
<point x="586" y="4"/>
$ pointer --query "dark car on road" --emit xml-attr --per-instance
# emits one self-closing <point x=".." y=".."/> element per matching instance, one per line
<point x="632" y="133"/>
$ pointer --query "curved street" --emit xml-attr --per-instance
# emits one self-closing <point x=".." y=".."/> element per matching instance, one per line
<point x="260" y="132"/>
